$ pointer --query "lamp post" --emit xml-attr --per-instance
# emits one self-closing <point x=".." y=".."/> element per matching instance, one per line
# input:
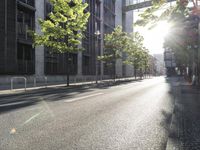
<point x="97" y="33"/>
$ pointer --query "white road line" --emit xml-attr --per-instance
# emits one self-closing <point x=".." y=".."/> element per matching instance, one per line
<point x="33" y="117"/>
<point x="13" y="104"/>
<point x="83" y="97"/>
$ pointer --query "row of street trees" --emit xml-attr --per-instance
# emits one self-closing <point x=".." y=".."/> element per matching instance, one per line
<point x="119" y="43"/>
<point x="63" y="31"/>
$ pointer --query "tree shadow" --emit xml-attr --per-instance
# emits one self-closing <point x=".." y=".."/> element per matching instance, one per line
<point x="10" y="102"/>
<point x="106" y="85"/>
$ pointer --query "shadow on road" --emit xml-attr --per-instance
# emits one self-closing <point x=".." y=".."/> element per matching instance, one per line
<point x="17" y="101"/>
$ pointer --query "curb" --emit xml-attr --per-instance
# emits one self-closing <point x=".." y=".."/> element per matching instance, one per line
<point x="9" y="93"/>
<point x="172" y="144"/>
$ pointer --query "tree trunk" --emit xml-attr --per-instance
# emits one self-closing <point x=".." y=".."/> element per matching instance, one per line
<point x="114" y="67"/>
<point x="68" y="68"/>
<point x="135" y="72"/>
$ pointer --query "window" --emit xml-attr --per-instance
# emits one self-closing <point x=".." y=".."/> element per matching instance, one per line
<point x="25" y="22"/>
<point x="25" y="59"/>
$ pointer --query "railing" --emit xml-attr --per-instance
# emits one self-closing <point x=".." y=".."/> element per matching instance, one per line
<point x="13" y="78"/>
<point x="35" y="81"/>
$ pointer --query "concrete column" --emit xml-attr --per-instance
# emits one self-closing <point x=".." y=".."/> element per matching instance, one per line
<point x="39" y="50"/>
<point x="118" y="22"/>
<point x="127" y="19"/>
<point x="198" y="57"/>
<point x="79" y="63"/>
<point x="102" y="34"/>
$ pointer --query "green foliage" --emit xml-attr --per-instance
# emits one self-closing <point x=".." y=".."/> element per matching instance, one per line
<point x="149" y="16"/>
<point x="182" y="37"/>
<point x="180" y="40"/>
<point x="137" y="54"/>
<point x="63" y="30"/>
<point x="114" y="45"/>
<point x="118" y="42"/>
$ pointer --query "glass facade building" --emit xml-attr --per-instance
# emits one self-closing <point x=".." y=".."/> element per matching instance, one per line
<point x="18" y="57"/>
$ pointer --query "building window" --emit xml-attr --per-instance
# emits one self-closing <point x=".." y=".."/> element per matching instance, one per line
<point x="86" y="65"/>
<point x="25" y="59"/>
<point x="56" y="64"/>
<point x="25" y="22"/>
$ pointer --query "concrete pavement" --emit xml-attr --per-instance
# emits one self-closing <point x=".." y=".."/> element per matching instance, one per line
<point x="133" y="115"/>
<point x="185" y="125"/>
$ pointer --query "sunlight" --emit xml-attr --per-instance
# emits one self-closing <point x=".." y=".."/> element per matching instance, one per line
<point x="162" y="29"/>
<point x="154" y="38"/>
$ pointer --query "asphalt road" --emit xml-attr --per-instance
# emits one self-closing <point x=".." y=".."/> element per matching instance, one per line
<point x="128" y="116"/>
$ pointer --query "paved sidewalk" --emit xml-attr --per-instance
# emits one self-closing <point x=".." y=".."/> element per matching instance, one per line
<point x="19" y="89"/>
<point x="185" y="125"/>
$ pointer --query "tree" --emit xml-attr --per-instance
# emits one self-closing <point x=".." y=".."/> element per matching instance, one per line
<point x="137" y="54"/>
<point x="62" y="32"/>
<point x="149" y="16"/>
<point x="115" y="44"/>
<point x="182" y="38"/>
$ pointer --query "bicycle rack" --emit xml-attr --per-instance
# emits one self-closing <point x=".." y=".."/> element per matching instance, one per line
<point x="13" y="78"/>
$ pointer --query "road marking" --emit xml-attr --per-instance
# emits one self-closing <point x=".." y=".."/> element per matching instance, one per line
<point x="13" y="104"/>
<point x="83" y="97"/>
<point x="33" y="117"/>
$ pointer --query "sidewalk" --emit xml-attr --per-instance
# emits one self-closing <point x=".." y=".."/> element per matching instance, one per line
<point x="19" y="88"/>
<point x="185" y="125"/>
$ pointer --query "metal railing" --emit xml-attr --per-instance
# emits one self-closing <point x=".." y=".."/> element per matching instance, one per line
<point x="13" y="78"/>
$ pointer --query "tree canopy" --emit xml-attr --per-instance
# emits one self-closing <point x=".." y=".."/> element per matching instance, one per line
<point x="118" y="43"/>
<point x="183" y="36"/>
<point x="137" y="54"/>
<point x="63" y="29"/>
<point x="114" y="45"/>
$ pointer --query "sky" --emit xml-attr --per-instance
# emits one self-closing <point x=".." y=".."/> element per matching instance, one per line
<point x="153" y="39"/>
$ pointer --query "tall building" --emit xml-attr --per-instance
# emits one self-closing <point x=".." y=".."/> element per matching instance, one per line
<point x="19" y="58"/>
<point x="160" y="64"/>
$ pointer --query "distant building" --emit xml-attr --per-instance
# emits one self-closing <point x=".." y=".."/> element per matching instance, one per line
<point x="160" y="64"/>
<point x="152" y="65"/>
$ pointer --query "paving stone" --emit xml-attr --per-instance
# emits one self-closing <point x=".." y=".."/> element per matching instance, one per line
<point x="185" y="126"/>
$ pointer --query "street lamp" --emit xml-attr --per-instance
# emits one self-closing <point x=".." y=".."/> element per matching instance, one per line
<point x="97" y="33"/>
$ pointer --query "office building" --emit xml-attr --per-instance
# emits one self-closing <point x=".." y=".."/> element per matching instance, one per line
<point x="19" y="58"/>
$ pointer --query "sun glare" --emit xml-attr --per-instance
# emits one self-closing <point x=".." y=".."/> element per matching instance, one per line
<point x="154" y="38"/>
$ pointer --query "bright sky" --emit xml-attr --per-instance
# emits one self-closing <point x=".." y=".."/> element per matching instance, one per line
<point x="153" y="39"/>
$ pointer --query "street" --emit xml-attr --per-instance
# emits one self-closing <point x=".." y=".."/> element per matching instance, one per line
<point x="127" y="116"/>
